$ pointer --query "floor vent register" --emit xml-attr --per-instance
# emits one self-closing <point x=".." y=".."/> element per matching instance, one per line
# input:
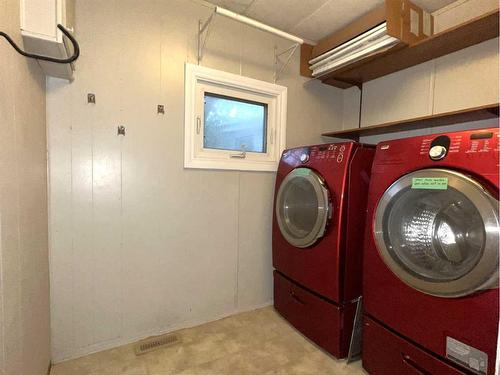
<point x="156" y="342"/>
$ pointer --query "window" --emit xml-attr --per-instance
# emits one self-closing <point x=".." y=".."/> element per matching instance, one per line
<point x="232" y="122"/>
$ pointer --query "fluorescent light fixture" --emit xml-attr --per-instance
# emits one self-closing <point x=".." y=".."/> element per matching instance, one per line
<point x="367" y="35"/>
<point x="375" y="39"/>
<point x="257" y="25"/>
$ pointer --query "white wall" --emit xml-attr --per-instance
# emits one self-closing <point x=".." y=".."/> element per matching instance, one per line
<point x="140" y="245"/>
<point x="24" y="269"/>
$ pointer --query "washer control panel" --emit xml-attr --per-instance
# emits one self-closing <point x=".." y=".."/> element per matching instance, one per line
<point x="477" y="142"/>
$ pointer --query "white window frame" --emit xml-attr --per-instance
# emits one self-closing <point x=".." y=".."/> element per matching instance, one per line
<point x="199" y="80"/>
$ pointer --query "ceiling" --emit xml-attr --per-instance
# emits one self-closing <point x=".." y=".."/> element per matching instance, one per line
<point x="311" y="19"/>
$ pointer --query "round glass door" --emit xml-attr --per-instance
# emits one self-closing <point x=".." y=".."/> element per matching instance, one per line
<point x="302" y="207"/>
<point x="438" y="232"/>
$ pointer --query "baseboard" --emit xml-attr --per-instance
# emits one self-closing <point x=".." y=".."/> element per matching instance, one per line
<point x="99" y="347"/>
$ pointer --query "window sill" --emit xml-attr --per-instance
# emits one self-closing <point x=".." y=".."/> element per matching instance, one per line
<point x="240" y="165"/>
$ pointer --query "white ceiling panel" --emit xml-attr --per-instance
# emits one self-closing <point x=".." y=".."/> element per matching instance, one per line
<point x="311" y="19"/>
<point x="432" y="5"/>
<point x="283" y="14"/>
<point x="238" y="6"/>
<point x="332" y="16"/>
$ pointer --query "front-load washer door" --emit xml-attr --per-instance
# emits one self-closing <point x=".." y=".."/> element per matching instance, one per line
<point x="302" y="207"/>
<point x="438" y="231"/>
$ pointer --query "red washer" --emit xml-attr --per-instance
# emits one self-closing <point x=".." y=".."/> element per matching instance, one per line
<point x="318" y="226"/>
<point x="431" y="254"/>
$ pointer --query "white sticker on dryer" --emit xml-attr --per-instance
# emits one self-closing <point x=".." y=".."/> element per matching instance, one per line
<point x="467" y="356"/>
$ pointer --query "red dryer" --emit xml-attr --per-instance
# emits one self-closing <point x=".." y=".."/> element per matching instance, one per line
<point x="318" y="226"/>
<point x="430" y="283"/>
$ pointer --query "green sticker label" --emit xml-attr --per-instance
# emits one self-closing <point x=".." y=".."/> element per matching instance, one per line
<point x="433" y="183"/>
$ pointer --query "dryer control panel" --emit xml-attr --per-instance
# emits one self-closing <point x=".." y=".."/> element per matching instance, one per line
<point x="335" y="153"/>
<point x="316" y="156"/>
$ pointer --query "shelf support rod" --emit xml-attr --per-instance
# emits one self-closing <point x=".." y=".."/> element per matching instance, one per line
<point x="258" y="25"/>
<point x="203" y="35"/>
<point x="279" y="64"/>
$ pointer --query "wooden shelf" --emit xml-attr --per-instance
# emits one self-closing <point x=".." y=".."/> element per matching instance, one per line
<point x="467" y="34"/>
<point x="471" y="114"/>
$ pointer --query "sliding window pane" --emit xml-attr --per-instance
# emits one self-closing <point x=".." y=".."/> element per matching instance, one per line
<point x="234" y="124"/>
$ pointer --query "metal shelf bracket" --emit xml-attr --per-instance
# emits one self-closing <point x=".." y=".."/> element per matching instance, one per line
<point x="203" y="35"/>
<point x="281" y="63"/>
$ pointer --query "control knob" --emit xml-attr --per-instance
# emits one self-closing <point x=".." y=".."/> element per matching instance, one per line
<point x="304" y="158"/>
<point x="437" y="152"/>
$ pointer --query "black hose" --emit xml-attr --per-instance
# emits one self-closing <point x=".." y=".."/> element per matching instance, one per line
<point x="76" y="48"/>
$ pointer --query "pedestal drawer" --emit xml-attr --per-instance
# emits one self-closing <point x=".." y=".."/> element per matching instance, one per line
<point x="325" y="323"/>
<point x="385" y="353"/>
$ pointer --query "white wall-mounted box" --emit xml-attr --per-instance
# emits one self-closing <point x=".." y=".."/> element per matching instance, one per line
<point x="39" y="20"/>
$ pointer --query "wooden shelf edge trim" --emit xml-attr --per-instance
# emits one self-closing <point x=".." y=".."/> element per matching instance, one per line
<point x="484" y="112"/>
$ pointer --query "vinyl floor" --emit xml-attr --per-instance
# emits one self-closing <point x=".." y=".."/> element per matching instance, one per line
<point x="256" y="342"/>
